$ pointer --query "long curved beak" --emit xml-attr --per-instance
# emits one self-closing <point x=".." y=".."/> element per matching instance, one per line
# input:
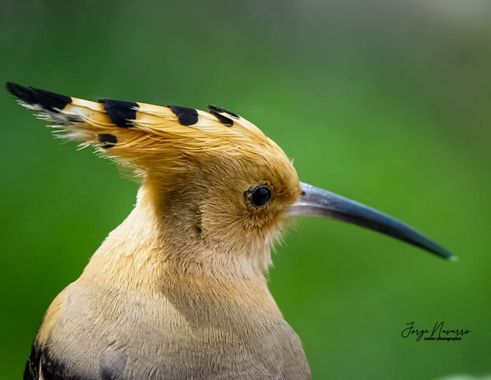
<point x="319" y="202"/>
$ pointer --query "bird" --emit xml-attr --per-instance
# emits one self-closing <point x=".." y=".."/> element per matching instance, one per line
<point x="179" y="289"/>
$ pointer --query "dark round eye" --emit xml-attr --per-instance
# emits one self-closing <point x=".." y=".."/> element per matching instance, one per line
<point x="260" y="195"/>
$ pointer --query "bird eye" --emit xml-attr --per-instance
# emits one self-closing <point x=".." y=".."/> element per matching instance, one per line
<point x="260" y="195"/>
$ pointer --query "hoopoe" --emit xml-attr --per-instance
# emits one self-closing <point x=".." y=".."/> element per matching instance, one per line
<point x="178" y="290"/>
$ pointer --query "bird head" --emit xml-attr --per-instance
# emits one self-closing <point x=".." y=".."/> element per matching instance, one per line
<point x="227" y="186"/>
<point x="217" y="183"/>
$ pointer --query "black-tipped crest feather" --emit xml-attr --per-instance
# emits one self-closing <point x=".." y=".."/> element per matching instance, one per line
<point x="185" y="115"/>
<point x="33" y="96"/>
<point x="121" y="112"/>
<point x="221" y="118"/>
<point x="217" y="109"/>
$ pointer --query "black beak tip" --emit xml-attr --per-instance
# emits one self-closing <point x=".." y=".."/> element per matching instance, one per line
<point x="449" y="256"/>
<point x="439" y="251"/>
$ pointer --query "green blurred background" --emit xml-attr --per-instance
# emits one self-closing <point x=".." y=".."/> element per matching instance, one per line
<point x="384" y="102"/>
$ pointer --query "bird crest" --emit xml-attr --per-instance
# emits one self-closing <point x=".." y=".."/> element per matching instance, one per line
<point x="153" y="139"/>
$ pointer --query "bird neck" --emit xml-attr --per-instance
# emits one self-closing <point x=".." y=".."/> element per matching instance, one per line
<point x="148" y="248"/>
